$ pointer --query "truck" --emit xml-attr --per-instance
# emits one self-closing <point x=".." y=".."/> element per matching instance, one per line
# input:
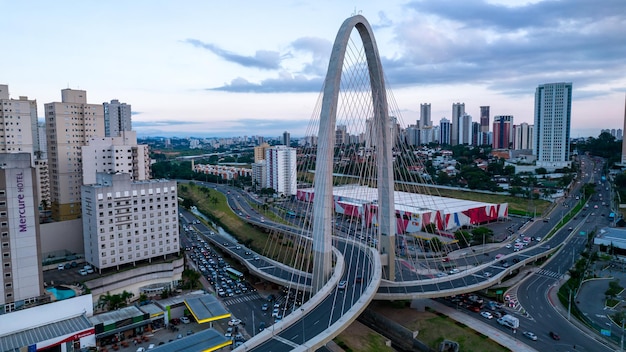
<point x="509" y="320"/>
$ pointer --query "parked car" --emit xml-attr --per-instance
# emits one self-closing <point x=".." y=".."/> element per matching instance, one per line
<point x="184" y="320"/>
<point x="234" y="322"/>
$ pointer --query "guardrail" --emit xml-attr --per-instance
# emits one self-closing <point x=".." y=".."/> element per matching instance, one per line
<point x="296" y="315"/>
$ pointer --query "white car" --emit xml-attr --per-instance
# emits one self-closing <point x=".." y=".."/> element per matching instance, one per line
<point x="184" y="320"/>
<point x="234" y="322"/>
<point x="508" y="246"/>
<point x="486" y="315"/>
<point x="229" y="332"/>
<point x="530" y="335"/>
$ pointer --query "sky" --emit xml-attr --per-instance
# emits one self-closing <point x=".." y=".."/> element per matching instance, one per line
<point x="233" y="68"/>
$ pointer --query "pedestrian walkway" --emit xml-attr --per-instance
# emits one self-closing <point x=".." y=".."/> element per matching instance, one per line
<point x="242" y="298"/>
<point x="497" y="335"/>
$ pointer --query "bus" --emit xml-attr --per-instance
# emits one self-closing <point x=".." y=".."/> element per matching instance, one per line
<point x="234" y="274"/>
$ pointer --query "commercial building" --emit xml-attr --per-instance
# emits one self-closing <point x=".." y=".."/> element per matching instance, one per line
<point x="125" y="222"/>
<point x="69" y="125"/>
<point x="22" y="282"/>
<point x="553" y="115"/>
<point x="281" y="169"/>
<point x="445" y="130"/>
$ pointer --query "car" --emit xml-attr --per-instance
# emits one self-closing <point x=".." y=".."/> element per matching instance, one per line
<point x="342" y="285"/>
<point x="264" y="307"/>
<point x="487" y="274"/>
<point x="358" y="279"/>
<point x="179" y="336"/>
<point x="262" y="326"/>
<point x="73" y="264"/>
<point x="184" y="320"/>
<point x="237" y="247"/>
<point x="508" y="246"/>
<point x="530" y="335"/>
<point x="475" y="309"/>
<point x="275" y="313"/>
<point x="554" y="336"/>
<point x="229" y="332"/>
<point x="189" y="332"/>
<point x="141" y="349"/>
<point x="234" y="322"/>
<point x="538" y="239"/>
<point x="486" y="314"/>
<point x="82" y="272"/>
<point x="60" y="267"/>
<point x="454" y="271"/>
<point x="151" y="346"/>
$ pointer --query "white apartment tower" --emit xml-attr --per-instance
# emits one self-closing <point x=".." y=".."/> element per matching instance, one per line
<point x="117" y="118"/>
<point x="523" y="136"/>
<point x="553" y="115"/>
<point x="18" y="124"/>
<point x="281" y="169"/>
<point x="458" y="110"/>
<point x="464" y="129"/>
<point x="22" y="281"/>
<point x="116" y="155"/>
<point x="69" y="125"/>
<point x="125" y="222"/>
<point x="259" y="174"/>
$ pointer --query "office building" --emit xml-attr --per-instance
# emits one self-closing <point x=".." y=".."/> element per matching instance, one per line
<point x="523" y="136"/>
<point x="125" y="222"/>
<point x="69" y="125"/>
<point x="553" y="114"/>
<point x="458" y="110"/>
<point x="444" y="131"/>
<point x="116" y="155"/>
<point x="425" y="119"/>
<point x="484" y="119"/>
<point x="502" y="131"/>
<point x="22" y="281"/>
<point x="117" y="118"/>
<point x="281" y="169"/>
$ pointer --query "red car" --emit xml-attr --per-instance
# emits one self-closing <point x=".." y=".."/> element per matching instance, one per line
<point x="554" y="335"/>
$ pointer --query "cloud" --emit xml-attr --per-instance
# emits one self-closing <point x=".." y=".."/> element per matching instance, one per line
<point x="161" y="123"/>
<point x="225" y="128"/>
<point x="263" y="59"/>
<point x="284" y="83"/>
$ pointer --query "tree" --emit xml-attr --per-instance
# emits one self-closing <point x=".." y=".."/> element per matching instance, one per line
<point x="464" y="237"/>
<point x="191" y="279"/>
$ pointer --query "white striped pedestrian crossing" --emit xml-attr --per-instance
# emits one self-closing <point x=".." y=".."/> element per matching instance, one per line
<point x="243" y="298"/>
<point x="549" y="273"/>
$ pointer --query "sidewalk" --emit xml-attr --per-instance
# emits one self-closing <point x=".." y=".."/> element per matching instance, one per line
<point x="500" y="337"/>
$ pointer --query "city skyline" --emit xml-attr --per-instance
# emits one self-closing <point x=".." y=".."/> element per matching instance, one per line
<point x="201" y="69"/>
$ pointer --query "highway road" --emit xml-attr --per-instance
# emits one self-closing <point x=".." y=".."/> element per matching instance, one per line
<point x="532" y="293"/>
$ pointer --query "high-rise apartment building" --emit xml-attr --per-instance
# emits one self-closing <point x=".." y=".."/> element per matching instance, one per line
<point x="522" y="136"/>
<point x="502" y="131"/>
<point x="464" y="129"/>
<point x="259" y="152"/>
<point x="553" y="114"/>
<point x="444" y="131"/>
<point x="425" y="118"/>
<point x="259" y="174"/>
<point x="117" y="118"/>
<point x="116" y="155"/>
<point x="125" y="222"/>
<point x="19" y="131"/>
<point x="458" y="110"/>
<point x="341" y="135"/>
<point x="69" y="125"/>
<point x="623" y="140"/>
<point x="286" y="138"/>
<point x="281" y="169"/>
<point x="484" y="119"/>
<point x="22" y="281"/>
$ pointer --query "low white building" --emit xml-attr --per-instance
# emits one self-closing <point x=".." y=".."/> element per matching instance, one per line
<point x="125" y="222"/>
